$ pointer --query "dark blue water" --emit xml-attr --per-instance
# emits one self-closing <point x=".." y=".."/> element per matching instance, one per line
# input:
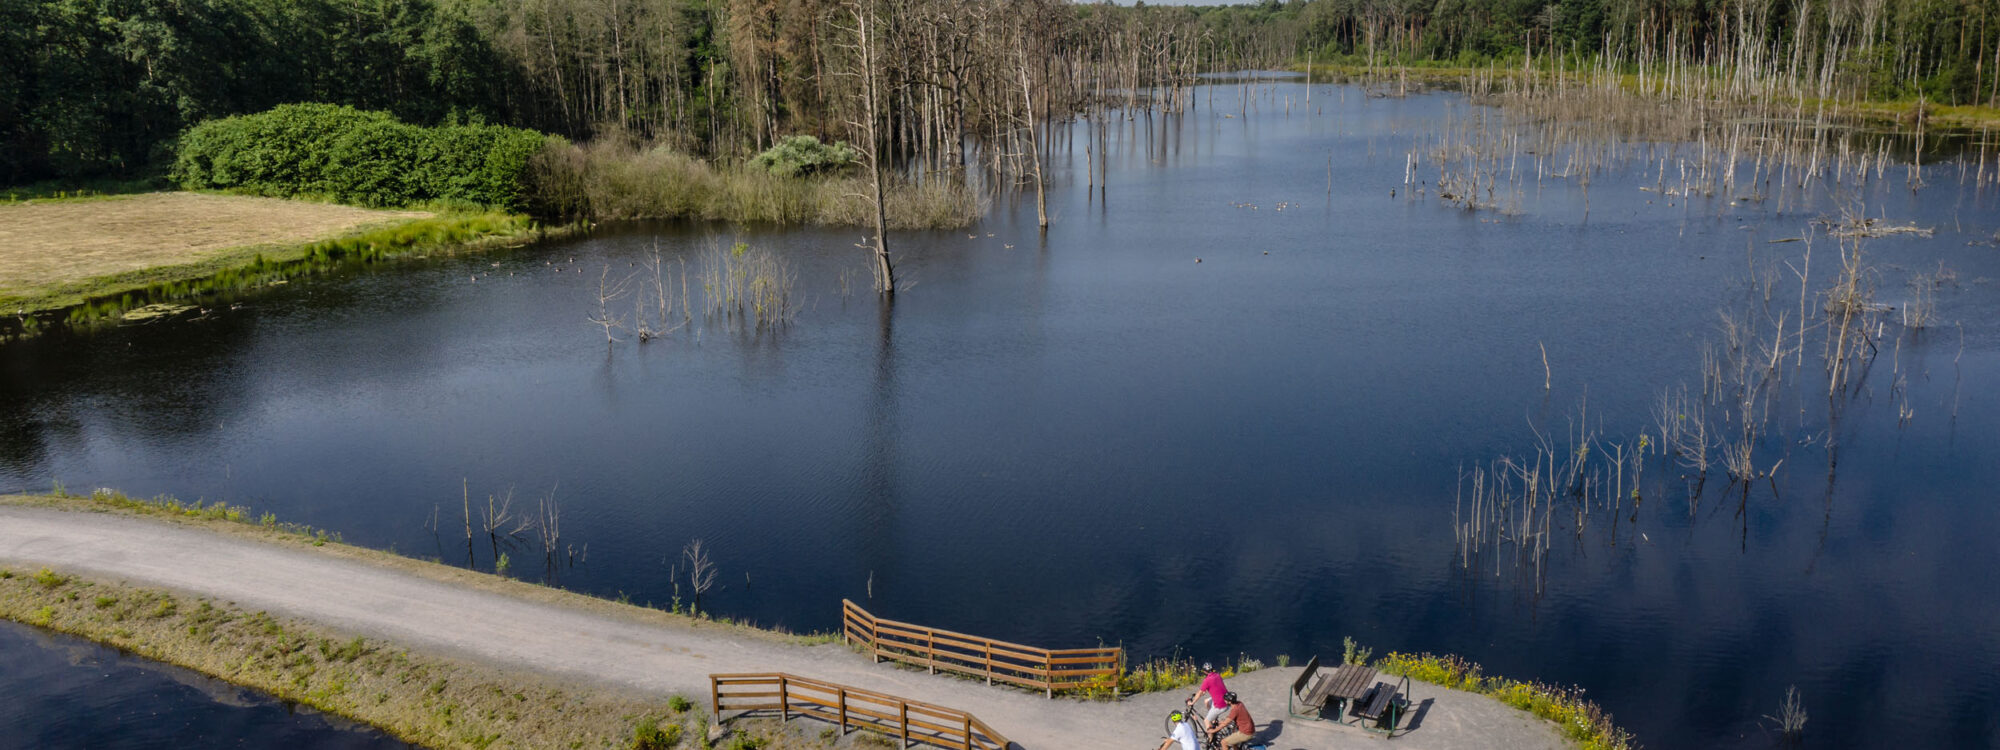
<point x="58" y="691"/>
<point x="1177" y="422"/>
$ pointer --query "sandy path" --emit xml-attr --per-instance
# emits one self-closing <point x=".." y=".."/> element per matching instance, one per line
<point x="422" y="613"/>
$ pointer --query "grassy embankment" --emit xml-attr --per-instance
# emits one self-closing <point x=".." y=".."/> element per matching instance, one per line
<point x="1883" y="112"/>
<point x="94" y="260"/>
<point x="426" y="698"/>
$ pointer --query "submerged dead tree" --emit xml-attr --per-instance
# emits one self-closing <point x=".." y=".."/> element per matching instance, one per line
<point x="863" y="12"/>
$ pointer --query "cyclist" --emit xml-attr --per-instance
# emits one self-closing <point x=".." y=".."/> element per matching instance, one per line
<point x="1212" y="687"/>
<point x="1236" y="718"/>
<point x="1180" y="730"/>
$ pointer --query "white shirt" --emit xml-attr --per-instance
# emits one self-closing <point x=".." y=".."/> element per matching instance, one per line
<point x="1185" y="733"/>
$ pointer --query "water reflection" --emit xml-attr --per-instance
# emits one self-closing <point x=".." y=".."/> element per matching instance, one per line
<point x="1088" y="436"/>
<point x="63" y="692"/>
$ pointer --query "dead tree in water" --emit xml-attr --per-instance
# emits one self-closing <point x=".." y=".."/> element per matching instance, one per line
<point x="606" y="293"/>
<point x="1034" y="130"/>
<point x="863" y="13"/>
<point x="701" y="570"/>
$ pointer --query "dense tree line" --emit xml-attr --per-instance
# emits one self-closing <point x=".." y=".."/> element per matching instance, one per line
<point x="103" y="87"/>
<point x="1947" y="50"/>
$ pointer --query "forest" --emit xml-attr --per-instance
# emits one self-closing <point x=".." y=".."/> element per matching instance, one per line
<point x="104" y="88"/>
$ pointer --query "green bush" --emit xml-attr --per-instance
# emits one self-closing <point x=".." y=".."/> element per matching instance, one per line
<point x="804" y="156"/>
<point x="377" y="164"/>
<point x="649" y="735"/>
<point x="367" y="158"/>
<point x="280" y="152"/>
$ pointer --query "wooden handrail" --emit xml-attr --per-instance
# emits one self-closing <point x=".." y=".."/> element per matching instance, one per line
<point x="1027" y="666"/>
<point x="851" y="707"/>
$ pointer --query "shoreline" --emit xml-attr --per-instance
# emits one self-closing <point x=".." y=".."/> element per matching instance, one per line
<point x="619" y="673"/>
<point x="421" y="698"/>
<point x="218" y="275"/>
<point x="1965" y="118"/>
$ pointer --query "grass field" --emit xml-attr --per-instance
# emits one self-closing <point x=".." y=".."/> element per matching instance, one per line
<point x="47" y="248"/>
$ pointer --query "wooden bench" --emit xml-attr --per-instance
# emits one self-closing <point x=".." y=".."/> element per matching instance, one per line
<point x="1309" y="693"/>
<point x="1385" y="705"/>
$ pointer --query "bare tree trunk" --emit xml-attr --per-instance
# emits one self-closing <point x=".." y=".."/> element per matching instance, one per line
<point x="885" y="272"/>
<point x="1034" y="137"/>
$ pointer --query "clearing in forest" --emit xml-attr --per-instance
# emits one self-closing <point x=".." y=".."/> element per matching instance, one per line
<point x="54" y="248"/>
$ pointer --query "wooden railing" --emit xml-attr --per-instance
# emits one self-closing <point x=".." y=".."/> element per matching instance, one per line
<point x="851" y="708"/>
<point x="997" y="661"/>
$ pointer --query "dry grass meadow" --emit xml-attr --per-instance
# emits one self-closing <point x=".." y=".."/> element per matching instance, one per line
<point x="46" y="246"/>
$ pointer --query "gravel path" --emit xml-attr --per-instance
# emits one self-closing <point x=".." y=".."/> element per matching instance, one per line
<point x="597" y="641"/>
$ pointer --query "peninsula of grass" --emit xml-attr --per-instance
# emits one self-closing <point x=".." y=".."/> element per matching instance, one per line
<point x="92" y="262"/>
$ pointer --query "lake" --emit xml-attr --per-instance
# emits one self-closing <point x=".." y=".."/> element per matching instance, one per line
<point x="59" y="691"/>
<point x="1228" y="405"/>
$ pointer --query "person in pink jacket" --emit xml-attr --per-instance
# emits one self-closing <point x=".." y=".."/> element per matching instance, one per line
<point x="1216" y="693"/>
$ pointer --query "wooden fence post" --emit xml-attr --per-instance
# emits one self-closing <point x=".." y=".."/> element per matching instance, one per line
<point x="930" y="648"/>
<point x="905" y="706"/>
<point x="1118" y="674"/>
<point x="843" y="712"/>
<point x="989" y="663"/>
<point x="1049" y="675"/>
<point x="715" y="698"/>
<point x="968" y="731"/>
<point x="784" y="700"/>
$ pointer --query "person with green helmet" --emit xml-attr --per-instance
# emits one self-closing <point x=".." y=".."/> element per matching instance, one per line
<point x="1180" y="730"/>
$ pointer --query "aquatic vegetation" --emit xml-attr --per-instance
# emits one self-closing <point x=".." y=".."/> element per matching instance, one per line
<point x="747" y="285"/>
<point x="612" y="179"/>
<point x="1791" y="718"/>
<point x="1735" y="140"/>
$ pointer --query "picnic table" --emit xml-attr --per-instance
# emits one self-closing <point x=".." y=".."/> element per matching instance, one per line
<point x="1348" y="684"/>
<point x="1345" y="684"/>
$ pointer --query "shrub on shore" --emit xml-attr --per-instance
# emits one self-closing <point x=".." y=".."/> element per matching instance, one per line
<point x="804" y="156"/>
<point x="354" y="156"/>
<point x="615" y="179"/>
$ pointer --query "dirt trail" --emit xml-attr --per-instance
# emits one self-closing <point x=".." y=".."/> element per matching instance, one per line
<point x="597" y="643"/>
